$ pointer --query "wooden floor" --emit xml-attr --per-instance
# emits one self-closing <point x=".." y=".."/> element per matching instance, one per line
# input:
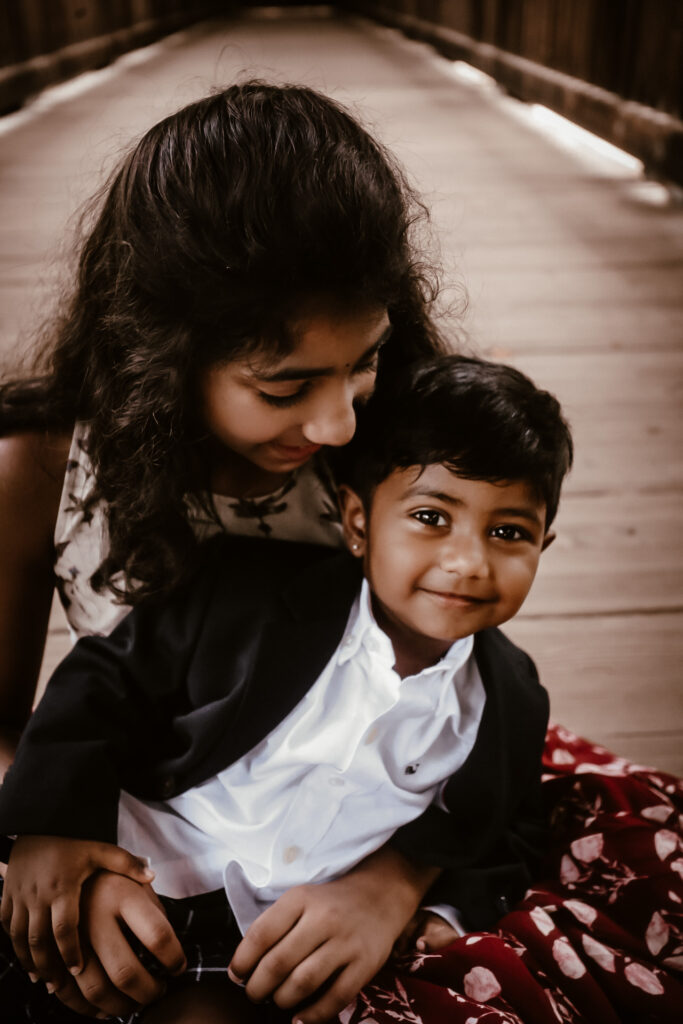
<point x="573" y="271"/>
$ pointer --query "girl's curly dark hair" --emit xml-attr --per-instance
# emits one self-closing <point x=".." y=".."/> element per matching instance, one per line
<point x="218" y="225"/>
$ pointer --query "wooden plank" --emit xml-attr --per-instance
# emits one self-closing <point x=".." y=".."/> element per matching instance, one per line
<point x="612" y="555"/>
<point x="615" y="680"/>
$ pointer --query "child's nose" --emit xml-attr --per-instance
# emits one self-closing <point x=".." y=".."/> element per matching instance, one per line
<point x="466" y="555"/>
<point x="333" y="420"/>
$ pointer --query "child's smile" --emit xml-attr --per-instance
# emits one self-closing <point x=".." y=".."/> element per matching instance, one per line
<point x="446" y="556"/>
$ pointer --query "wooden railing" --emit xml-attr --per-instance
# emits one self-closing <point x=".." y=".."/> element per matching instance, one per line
<point x="613" y="66"/>
<point x="46" y="41"/>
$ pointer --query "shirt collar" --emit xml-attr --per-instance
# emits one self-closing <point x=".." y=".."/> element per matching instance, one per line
<point x="362" y="630"/>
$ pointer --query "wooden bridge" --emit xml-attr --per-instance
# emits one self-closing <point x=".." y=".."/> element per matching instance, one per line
<point x="572" y="263"/>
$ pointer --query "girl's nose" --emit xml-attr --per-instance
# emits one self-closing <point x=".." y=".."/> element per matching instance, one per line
<point x="465" y="555"/>
<point x="333" y="420"/>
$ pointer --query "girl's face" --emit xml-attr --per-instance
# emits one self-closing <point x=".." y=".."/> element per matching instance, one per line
<point x="278" y="411"/>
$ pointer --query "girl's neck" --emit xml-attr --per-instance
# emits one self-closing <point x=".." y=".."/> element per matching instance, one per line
<point x="237" y="477"/>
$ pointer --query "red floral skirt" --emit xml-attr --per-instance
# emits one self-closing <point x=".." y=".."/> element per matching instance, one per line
<point x="598" y="941"/>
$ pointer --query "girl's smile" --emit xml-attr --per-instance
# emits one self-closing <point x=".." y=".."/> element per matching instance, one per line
<point x="277" y="413"/>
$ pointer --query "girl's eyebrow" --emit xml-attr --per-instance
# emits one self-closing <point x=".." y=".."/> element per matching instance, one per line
<point x="307" y="372"/>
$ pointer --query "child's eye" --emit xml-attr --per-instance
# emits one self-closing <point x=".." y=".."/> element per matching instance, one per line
<point x="509" y="532"/>
<point x="429" y="517"/>
<point x="282" y="401"/>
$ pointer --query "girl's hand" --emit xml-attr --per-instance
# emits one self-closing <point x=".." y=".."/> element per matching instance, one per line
<point x="114" y="980"/>
<point x="40" y="903"/>
<point x="324" y="942"/>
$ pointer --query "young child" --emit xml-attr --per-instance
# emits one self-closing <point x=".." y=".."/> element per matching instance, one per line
<point x="281" y="717"/>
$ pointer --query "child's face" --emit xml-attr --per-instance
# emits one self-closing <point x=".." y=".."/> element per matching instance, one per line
<point x="445" y="556"/>
<point x="278" y="411"/>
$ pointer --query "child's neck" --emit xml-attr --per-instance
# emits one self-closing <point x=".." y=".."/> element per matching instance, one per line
<point x="413" y="651"/>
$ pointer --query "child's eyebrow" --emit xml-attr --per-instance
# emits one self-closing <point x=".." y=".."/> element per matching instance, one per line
<point x="307" y="372"/>
<point x="515" y="512"/>
<point x="520" y="513"/>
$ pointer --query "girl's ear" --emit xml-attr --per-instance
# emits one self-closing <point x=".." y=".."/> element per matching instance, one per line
<point x="353" y="520"/>
<point x="548" y="539"/>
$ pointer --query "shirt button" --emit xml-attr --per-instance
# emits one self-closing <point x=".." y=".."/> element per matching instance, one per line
<point x="372" y="735"/>
<point x="290" y="854"/>
<point x="335" y="781"/>
<point x="348" y="642"/>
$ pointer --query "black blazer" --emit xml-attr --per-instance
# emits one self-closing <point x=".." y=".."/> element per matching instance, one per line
<point x="187" y="685"/>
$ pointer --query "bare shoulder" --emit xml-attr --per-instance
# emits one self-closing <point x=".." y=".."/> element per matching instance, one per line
<point x="32" y="467"/>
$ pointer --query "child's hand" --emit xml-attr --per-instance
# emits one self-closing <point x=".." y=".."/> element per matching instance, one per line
<point x="336" y="935"/>
<point x="40" y="903"/>
<point x="427" y="932"/>
<point x="113" y="979"/>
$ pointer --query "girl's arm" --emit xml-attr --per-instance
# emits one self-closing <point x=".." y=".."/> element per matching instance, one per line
<point x="32" y="467"/>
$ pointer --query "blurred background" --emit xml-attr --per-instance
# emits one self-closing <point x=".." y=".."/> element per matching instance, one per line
<point x="546" y="138"/>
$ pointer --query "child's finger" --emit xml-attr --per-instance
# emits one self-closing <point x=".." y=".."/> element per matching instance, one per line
<point x="65" y="916"/>
<point x="344" y="988"/>
<point x="286" y="957"/>
<point x="98" y="991"/>
<point x="264" y="933"/>
<point x="406" y="940"/>
<point x="123" y="969"/>
<point x="120" y="862"/>
<point x="309" y="975"/>
<point x="68" y="992"/>
<point x="151" y="926"/>
<point x="436" y="935"/>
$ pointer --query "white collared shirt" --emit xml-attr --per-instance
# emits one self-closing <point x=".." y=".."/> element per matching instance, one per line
<point x="363" y="753"/>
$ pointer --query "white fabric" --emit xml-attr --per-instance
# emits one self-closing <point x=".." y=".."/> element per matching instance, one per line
<point x="303" y="509"/>
<point x="363" y="753"/>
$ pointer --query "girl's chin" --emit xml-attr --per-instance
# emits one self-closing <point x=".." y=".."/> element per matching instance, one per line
<point x="290" y="456"/>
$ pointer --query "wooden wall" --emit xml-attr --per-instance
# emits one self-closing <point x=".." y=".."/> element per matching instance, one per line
<point x="47" y="41"/>
<point x="613" y="66"/>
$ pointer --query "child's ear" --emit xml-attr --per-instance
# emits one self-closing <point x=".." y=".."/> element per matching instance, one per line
<point x="548" y="539"/>
<point x="353" y="520"/>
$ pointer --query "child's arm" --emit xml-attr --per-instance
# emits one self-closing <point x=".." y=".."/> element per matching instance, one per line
<point x="339" y="932"/>
<point x="41" y="898"/>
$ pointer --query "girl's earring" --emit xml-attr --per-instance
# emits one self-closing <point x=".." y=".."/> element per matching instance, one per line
<point x="355" y="545"/>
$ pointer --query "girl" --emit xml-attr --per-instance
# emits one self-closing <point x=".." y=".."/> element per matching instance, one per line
<point x="249" y="273"/>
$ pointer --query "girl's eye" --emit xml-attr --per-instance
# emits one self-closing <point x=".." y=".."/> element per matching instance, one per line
<point x="429" y="517"/>
<point x="372" y="362"/>
<point x="508" y="532"/>
<point x="282" y="401"/>
<point x="370" y="366"/>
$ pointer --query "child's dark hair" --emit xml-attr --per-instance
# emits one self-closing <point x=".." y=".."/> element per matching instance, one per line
<point x="221" y="223"/>
<point x="484" y="420"/>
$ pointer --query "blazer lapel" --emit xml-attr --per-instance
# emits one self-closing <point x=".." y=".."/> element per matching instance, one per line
<point x="296" y="644"/>
<point x="479" y="794"/>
